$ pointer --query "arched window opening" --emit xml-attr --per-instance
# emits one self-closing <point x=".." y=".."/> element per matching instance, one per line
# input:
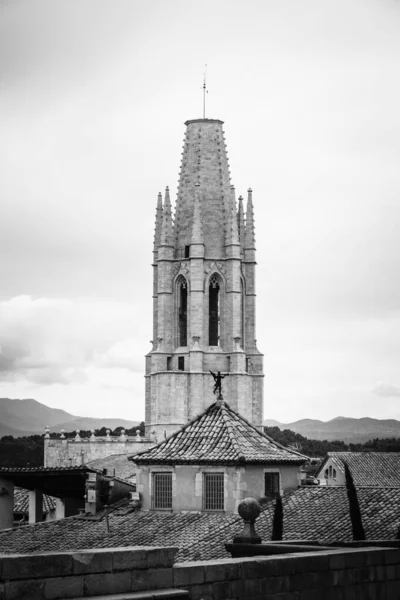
<point x="242" y="313"/>
<point x="182" y="312"/>
<point x="213" y="311"/>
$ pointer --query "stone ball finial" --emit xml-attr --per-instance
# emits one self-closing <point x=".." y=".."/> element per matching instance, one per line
<point x="249" y="509"/>
<point x="62" y="432"/>
<point x="47" y="432"/>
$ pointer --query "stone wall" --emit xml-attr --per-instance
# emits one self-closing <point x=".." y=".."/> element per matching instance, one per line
<point x="63" y="452"/>
<point x="337" y="574"/>
<point x="85" y="573"/>
<point x="328" y="575"/>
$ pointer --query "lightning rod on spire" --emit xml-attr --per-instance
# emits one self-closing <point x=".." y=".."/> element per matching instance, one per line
<point x="205" y="91"/>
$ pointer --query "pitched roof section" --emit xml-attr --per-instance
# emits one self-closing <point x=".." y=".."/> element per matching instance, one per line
<point x="21" y="501"/>
<point x="218" y="436"/>
<point x="309" y="513"/>
<point x="370" y="469"/>
<point x="117" y="465"/>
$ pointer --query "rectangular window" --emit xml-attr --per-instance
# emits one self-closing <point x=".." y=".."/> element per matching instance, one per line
<point x="271" y="484"/>
<point x="162" y="491"/>
<point x="181" y="363"/>
<point x="187" y="251"/>
<point x="213" y="491"/>
<point x="169" y="363"/>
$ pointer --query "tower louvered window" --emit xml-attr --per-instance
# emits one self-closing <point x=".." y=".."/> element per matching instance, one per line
<point x="162" y="491"/>
<point x="213" y="491"/>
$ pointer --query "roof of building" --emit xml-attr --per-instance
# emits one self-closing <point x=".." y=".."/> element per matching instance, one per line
<point x="53" y="481"/>
<point x="219" y="436"/>
<point x="368" y="468"/>
<point x="21" y="501"/>
<point x="116" y="464"/>
<point x="310" y="513"/>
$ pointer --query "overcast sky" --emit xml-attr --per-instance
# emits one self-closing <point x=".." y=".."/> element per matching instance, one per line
<point x="93" y="99"/>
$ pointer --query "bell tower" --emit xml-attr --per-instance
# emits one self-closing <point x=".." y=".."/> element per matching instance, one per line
<point x="203" y="292"/>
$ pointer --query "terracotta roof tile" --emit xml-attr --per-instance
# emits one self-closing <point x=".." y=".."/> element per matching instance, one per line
<point x="10" y="470"/>
<point x="219" y="435"/>
<point x="21" y="501"/>
<point x="369" y="468"/>
<point x="118" y="463"/>
<point x="310" y="513"/>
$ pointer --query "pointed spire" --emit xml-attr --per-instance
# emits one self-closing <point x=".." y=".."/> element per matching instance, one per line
<point x="249" y="240"/>
<point x="166" y="228"/>
<point x="159" y="219"/>
<point x="197" y="225"/>
<point x="232" y="233"/>
<point x="240" y="218"/>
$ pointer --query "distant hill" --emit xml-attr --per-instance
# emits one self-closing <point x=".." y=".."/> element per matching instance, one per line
<point x="342" y="428"/>
<point x="26" y="417"/>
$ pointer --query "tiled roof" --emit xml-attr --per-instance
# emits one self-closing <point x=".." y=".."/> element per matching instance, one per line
<point x="21" y="501"/>
<point x="219" y="435"/>
<point x="310" y="513"/>
<point x="46" y="470"/>
<point x="124" y="469"/>
<point x="369" y="468"/>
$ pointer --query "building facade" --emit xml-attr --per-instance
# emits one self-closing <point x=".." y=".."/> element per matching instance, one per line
<point x="203" y="292"/>
<point x="212" y="463"/>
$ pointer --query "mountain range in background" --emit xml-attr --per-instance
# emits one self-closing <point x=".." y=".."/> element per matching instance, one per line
<point x="346" y="429"/>
<point x="28" y="417"/>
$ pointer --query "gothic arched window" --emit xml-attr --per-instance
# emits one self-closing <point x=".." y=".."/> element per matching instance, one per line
<point x="213" y="310"/>
<point x="242" y="313"/>
<point x="182" y="311"/>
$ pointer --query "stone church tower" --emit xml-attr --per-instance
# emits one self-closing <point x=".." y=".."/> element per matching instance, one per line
<point x="203" y="292"/>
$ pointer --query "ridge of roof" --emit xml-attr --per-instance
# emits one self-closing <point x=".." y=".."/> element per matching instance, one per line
<point x="132" y="457"/>
<point x="230" y="431"/>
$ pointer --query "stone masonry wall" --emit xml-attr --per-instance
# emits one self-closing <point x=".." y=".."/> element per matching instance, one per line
<point x="337" y="574"/>
<point x="68" y="452"/>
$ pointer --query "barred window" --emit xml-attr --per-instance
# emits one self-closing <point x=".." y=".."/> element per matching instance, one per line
<point x="162" y="491"/>
<point x="271" y="484"/>
<point x="213" y="491"/>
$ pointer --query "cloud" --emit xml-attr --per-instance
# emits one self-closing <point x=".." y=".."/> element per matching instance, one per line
<point x="48" y="341"/>
<point x="122" y="354"/>
<point x="386" y="390"/>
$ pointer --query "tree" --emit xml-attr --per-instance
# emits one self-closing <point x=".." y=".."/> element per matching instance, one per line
<point x="355" y="513"/>
<point x="277" y="522"/>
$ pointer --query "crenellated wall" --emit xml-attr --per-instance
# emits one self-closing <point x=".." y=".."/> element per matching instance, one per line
<point x="77" y="451"/>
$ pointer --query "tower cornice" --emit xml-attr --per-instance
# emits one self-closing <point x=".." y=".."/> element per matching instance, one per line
<point x="204" y="121"/>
